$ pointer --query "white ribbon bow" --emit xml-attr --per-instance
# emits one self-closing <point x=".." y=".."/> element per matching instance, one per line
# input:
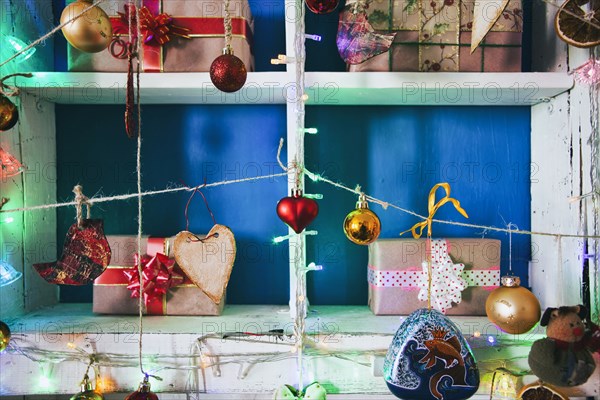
<point x="446" y="283"/>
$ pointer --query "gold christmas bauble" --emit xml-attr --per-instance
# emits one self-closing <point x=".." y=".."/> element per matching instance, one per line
<point x="362" y="226"/>
<point x="87" y="391"/>
<point x="512" y="308"/>
<point x="91" y="32"/>
<point x="9" y="114"/>
<point x="4" y="336"/>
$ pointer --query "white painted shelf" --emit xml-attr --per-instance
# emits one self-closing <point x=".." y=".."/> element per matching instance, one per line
<point x="346" y="348"/>
<point x="323" y="88"/>
<point x="334" y="331"/>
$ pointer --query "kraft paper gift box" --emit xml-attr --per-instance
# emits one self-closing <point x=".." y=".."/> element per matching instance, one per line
<point x="203" y="19"/>
<point x="396" y="270"/>
<point x="442" y="42"/>
<point x="111" y="295"/>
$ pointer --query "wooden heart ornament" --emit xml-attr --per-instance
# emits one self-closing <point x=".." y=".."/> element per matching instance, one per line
<point x="207" y="261"/>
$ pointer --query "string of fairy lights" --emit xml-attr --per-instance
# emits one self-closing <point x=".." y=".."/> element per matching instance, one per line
<point x="299" y="344"/>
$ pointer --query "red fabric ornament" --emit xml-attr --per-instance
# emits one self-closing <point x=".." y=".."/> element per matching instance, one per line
<point x="159" y="276"/>
<point x="297" y="211"/>
<point x="322" y="6"/>
<point x="9" y="165"/>
<point x="86" y="254"/>
<point x="227" y="72"/>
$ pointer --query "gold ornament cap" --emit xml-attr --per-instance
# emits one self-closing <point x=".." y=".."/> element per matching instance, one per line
<point x="228" y="51"/>
<point x="362" y="203"/>
<point x="144" y="386"/>
<point x="510" y="281"/>
<point x="86" y="385"/>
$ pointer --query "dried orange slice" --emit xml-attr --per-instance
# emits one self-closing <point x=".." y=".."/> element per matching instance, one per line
<point x="577" y="22"/>
<point x="540" y="391"/>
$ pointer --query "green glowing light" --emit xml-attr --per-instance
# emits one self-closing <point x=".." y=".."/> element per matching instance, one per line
<point x="15" y="46"/>
<point x="45" y="382"/>
<point x="9" y="220"/>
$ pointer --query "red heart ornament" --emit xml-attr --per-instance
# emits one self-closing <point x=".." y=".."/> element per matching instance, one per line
<point x="297" y="211"/>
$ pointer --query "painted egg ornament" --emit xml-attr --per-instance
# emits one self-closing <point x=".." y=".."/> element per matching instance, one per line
<point x="429" y="359"/>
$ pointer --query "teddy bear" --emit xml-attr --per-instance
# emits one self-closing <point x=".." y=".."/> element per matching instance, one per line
<point x="564" y="357"/>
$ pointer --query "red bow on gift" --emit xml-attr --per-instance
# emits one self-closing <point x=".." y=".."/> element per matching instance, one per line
<point x="154" y="27"/>
<point x="159" y="275"/>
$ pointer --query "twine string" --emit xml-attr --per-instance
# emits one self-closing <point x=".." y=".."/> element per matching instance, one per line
<point x="80" y="201"/>
<point x="227" y="25"/>
<point x="9" y="90"/>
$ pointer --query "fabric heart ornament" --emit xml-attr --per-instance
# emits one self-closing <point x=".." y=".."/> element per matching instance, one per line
<point x="207" y="261"/>
<point x="297" y="211"/>
<point x="314" y="391"/>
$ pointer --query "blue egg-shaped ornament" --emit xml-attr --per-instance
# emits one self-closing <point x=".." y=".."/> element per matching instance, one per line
<point x="429" y="359"/>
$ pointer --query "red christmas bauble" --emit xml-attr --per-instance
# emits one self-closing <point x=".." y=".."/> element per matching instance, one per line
<point x="228" y="73"/>
<point x="322" y="6"/>
<point x="143" y="393"/>
<point x="297" y="211"/>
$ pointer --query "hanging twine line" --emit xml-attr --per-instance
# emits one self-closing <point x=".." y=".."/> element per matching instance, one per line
<point x="227" y="25"/>
<point x="9" y="90"/>
<point x="80" y="201"/>
<point x="294" y="166"/>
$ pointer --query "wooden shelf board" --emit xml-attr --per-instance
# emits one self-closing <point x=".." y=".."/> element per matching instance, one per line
<point x="323" y="88"/>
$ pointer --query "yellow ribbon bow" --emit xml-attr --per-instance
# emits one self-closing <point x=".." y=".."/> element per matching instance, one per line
<point x="417" y="229"/>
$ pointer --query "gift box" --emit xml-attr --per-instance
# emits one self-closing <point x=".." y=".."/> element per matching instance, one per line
<point x="112" y="289"/>
<point x="432" y="39"/>
<point x="398" y="272"/>
<point x="190" y="37"/>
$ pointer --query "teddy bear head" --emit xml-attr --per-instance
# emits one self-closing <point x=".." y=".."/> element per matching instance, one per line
<point x="565" y="323"/>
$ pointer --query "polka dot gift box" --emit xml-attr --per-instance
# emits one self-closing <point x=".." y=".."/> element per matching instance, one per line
<point x="464" y="272"/>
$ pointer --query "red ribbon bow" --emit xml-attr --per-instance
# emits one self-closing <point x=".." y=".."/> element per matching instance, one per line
<point x="159" y="275"/>
<point x="155" y="28"/>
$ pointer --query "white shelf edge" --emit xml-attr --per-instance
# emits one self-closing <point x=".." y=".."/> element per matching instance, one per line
<point x="323" y="88"/>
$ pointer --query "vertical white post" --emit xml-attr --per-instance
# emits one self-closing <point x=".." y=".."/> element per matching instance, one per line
<point x="295" y="147"/>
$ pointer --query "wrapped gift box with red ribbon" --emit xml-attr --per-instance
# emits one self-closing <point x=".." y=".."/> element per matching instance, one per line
<point x="465" y="271"/>
<point x="435" y="36"/>
<point x="177" y="36"/>
<point x="166" y="290"/>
